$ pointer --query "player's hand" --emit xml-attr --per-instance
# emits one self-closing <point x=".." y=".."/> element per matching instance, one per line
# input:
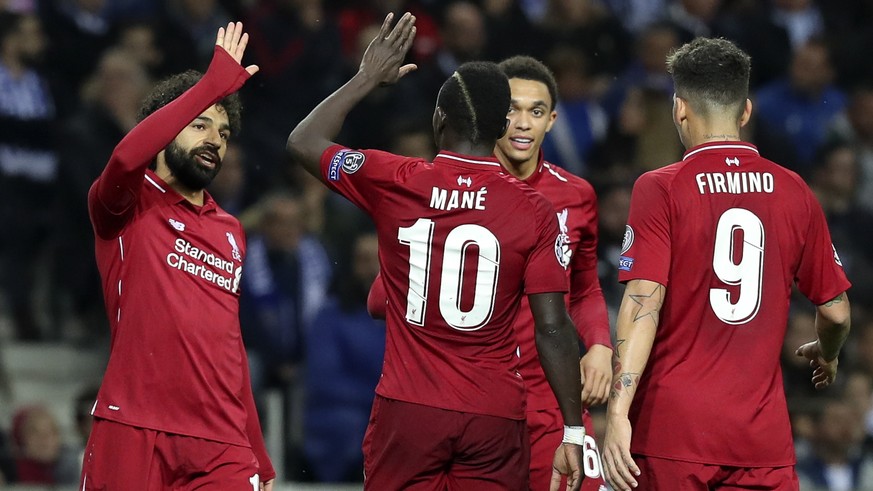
<point x="596" y="368"/>
<point x="234" y="41"/>
<point x="267" y="486"/>
<point x="619" y="468"/>
<point x="567" y="462"/>
<point x="823" y="372"/>
<point x="382" y="61"/>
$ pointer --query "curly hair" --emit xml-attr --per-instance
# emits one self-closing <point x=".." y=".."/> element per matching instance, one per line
<point x="476" y="99"/>
<point x="712" y="74"/>
<point x="529" y="68"/>
<point x="172" y="87"/>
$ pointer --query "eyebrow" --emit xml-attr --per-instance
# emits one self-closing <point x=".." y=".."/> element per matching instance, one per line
<point x="207" y="119"/>
<point x="535" y="103"/>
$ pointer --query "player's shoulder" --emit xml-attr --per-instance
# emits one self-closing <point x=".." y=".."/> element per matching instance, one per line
<point x="565" y="178"/>
<point x="521" y="190"/>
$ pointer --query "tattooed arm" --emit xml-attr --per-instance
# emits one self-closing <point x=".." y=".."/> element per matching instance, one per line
<point x="637" y="322"/>
<point x="832" y="324"/>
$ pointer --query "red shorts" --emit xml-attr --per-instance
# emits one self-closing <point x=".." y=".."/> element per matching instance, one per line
<point x="414" y="447"/>
<point x="678" y="475"/>
<point x="122" y="457"/>
<point x="546" y="429"/>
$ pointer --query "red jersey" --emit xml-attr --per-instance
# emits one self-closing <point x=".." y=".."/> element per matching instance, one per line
<point x="460" y="243"/>
<point x="575" y="204"/>
<point x="728" y="233"/>
<point x="170" y="272"/>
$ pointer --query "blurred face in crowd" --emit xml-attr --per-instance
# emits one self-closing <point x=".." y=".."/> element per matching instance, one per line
<point x="282" y="224"/>
<point x="464" y="32"/>
<point x="861" y="115"/>
<point x="530" y="117"/>
<point x="811" y="70"/>
<point x="194" y="157"/>
<point x="655" y="45"/>
<point x="29" y="41"/>
<point x="841" y="171"/>
<point x="40" y="436"/>
<point x="839" y="428"/>
<point x="366" y="259"/>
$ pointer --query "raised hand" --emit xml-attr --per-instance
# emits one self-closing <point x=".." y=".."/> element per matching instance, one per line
<point x="382" y="61"/>
<point x="234" y="41"/>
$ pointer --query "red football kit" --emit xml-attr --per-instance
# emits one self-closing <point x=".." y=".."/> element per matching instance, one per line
<point x="170" y="272"/>
<point x="460" y="243"/>
<point x="575" y="204"/>
<point x="728" y="233"/>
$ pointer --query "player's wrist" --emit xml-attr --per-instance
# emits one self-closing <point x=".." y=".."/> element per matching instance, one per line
<point x="574" y="435"/>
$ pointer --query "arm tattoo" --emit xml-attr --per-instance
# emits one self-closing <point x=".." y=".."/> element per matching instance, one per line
<point x="626" y="380"/>
<point x="641" y="312"/>
<point x="838" y="299"/>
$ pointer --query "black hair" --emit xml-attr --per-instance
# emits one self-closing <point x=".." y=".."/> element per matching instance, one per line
<point x="475" y="100"/>
<point x="711" y="74"/>
<point x="172" y="87"/>
<point x="529" y="68"/>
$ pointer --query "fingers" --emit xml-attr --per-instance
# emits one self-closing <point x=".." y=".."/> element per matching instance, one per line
<point x="241" y="47"/>
<point x="573" y="481"/>
<point x="619" y="469"/>
<point x="386" y="26"/>
<point x="555" y="481"/>
<point x="407" y="68"/>
<point x="253" y="69"/>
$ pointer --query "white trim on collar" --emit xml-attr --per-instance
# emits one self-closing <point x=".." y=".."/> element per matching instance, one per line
<point x="469" y="161"/>
<point x="721" y="147"/>
<point x="149" y="179"/>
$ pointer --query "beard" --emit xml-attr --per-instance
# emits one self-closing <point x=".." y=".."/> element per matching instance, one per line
<point x="187" y="170"/>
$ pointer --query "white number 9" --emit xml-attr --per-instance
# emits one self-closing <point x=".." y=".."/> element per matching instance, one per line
<point x="748" y="273"/>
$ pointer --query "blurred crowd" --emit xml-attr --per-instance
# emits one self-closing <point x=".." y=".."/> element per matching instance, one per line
<point x="73" y="72"/>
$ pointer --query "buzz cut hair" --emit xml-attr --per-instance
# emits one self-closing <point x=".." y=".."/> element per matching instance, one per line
<point x="712" y="75"/>
<point x="174" y="86"/>
<point x="529" y="68"/>
<point x="476" y="100"/>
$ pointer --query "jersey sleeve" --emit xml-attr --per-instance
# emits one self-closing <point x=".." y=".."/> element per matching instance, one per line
<point x="587" y="305"/>
<point x="820" y="276"/>
<point x="544" y="272"/>
<point x="645" y="251"/>
<point x="113" y="195"/>
<point x="363" y="175"/>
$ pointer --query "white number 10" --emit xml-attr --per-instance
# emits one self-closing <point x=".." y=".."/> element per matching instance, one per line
<point x="748" y="273"/>
<point x="419" y="238"/>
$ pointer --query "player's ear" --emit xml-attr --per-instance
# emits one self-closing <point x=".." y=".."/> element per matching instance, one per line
<point x="747" y="113"/>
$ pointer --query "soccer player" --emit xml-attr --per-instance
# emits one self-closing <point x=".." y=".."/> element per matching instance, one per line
<point x="460" y="243"/>
<point x="711" y="250"/>
<point x="175" y="409"/>
<point x="531" y="115"/>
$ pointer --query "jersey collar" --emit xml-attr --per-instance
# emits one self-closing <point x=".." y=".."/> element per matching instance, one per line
<point x="479" y="163"/>
<point x="170" y="196"/>
<point x="737" y="147"/>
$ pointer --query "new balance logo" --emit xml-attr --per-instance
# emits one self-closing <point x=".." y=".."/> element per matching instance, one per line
<point x="177" y="225"/>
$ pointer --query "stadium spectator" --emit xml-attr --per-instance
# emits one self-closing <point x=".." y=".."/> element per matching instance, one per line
<point x="40" y="454"/>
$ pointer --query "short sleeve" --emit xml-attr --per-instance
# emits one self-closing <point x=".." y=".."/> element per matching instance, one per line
<point x="645" y="250"/>
<point x="362" y="175"/>
<point x="820" y="276"/>
<point x="544" y="271"/>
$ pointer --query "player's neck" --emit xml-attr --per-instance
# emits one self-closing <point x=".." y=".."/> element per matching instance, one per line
<point x="470" y="148"/>
<point x="713" y="133"/>
<point x="521" y="170"/>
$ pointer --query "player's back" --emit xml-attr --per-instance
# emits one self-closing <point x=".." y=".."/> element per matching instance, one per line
<point x="739" y="230"/>
<point x="458" y="239"/>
